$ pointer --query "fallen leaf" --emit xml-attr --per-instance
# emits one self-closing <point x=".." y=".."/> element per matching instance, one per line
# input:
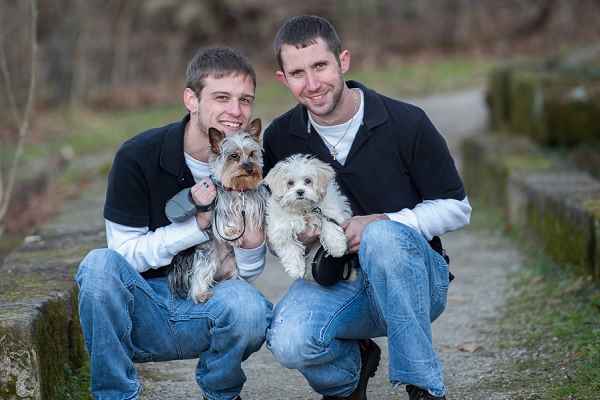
<point x="470" y="347"/>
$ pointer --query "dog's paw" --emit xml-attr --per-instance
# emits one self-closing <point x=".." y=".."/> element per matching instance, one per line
<point x="335" y="248"/>
<point x="295" y="267"/>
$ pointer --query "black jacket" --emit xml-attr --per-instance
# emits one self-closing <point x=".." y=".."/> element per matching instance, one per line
<point x="397" y="160"/>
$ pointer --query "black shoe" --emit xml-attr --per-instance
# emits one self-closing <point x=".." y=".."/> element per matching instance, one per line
<point x="370" y="354"/>
<point x="416" y="393"/>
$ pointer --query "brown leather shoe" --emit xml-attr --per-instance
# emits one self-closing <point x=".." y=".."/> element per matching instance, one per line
<point x="370" y="354"/>
<point x="416" y="393"/>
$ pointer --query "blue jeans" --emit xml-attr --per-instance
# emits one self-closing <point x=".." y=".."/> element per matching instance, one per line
<point x="402" y="287"/>
<point x="126" y="318"/>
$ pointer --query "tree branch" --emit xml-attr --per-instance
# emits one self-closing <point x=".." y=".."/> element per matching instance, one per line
<point x="24" y="124"/>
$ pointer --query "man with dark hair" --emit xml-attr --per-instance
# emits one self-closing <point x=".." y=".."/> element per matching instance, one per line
<point x="127" y="311"/>
<point x="404" y="190"/>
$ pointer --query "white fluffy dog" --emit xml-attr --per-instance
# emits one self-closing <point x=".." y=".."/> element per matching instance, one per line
<point x="304" y="193"/>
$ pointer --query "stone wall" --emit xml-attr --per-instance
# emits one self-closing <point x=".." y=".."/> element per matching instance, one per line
<point x="39" y="322"/>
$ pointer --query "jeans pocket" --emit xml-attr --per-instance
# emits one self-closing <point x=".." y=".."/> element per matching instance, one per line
<point x="438" y="302"/>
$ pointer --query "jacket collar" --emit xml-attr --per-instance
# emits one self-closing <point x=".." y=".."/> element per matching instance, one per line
<point x="375" y="112"/>
<point x="171" y="156"/>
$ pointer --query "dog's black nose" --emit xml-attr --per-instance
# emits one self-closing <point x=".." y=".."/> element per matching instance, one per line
<point x="248" y="168"/>
<point x="300" y="193"/>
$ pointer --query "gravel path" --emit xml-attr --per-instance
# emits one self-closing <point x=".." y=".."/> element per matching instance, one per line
<point x="461" y="335"/>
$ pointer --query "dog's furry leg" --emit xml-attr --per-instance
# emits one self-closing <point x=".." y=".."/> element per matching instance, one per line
<point x="333" y="239"/>
<point x="203" y="272"/>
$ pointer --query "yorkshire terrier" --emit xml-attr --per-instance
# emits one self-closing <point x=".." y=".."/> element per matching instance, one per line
<point x="304" y="194"/>
<point x="236" y="167"/>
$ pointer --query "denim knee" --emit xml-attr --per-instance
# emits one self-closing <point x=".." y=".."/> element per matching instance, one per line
<point x="291" y="345"/>
<point x="380" y="232"/>
<point x="100" y="262"/>
<point x="386" y="242"/>
<point x="237" y="302"/>
<point x="102" y="272"/>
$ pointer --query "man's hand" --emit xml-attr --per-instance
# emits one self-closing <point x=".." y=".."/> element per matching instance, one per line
<point x="354" y="227"/>
<point x="309" y="236"/>
<point x="203" y="193"/>
<point x="253" y="239"/>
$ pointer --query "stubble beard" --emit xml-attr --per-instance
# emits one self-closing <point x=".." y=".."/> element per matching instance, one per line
<point x="326" y="111"/>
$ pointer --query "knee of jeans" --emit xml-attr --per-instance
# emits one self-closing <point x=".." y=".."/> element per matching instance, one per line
<point x="100" y="266"/>
<point x="291" y="348"/>
<point x="244" y="306"/>
<point x="380" y="232"/>
<point x="383" y="241"/>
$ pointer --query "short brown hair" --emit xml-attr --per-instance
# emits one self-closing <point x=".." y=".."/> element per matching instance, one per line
<point x="303" y="31"/>
<point x="217" y="62"/>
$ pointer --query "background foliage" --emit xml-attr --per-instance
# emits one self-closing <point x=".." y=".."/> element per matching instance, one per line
<point x="96" y="51"/>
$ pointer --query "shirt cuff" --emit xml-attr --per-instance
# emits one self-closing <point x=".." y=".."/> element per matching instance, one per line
<point x="250" y="262"/>
<point x="406" y="217"/>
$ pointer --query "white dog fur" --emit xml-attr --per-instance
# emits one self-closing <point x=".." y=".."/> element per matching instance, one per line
<point x="300" y="184"/>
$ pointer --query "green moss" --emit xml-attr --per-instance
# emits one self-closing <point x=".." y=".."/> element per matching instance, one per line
<point x="563" y="239"/>
<point x="51" y="342"/>
<point x="593" y="206"/>
<point x="38" y="342"/>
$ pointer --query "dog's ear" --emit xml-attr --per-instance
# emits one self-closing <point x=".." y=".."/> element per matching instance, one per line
<point x="273" y="180"/>
<point x="255" y="129"/>
<point x="325" y="173"/>
<point x="215" y="137"/>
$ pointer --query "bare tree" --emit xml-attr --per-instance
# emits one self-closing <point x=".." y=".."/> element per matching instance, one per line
<point x="22" y="122"/>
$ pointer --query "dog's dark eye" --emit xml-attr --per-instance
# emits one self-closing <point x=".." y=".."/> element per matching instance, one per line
<point x="234" y="156"/>
<point x="308" y="181"/>
<point x="290" y="183"/>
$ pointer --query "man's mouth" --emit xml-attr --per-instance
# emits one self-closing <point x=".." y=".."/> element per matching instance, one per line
<point x="234" y="125"/>
<point x="317" y="98"/>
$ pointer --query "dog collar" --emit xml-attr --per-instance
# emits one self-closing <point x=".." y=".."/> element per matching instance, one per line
<point x="227" y="188"/>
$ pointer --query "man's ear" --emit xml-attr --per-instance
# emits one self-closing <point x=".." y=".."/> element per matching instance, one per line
<point x="345" y="61"/>
<point x="281" y="76"/>
<point x="190" y="100"/>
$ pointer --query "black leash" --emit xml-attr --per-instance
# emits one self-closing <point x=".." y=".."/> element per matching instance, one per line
<point x="318" y="211"/>
<point x="243" y="219"/>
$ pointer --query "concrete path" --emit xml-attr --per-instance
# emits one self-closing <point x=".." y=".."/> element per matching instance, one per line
<point x="479" y="261"/>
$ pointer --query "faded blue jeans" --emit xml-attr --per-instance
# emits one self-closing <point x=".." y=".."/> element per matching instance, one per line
<point x="402" y="288"/>
<point x="126" y="318"/>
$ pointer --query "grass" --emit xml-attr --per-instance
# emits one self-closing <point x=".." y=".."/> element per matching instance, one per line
<point x="552" y="320"/>
<point x="77" y="384"/>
